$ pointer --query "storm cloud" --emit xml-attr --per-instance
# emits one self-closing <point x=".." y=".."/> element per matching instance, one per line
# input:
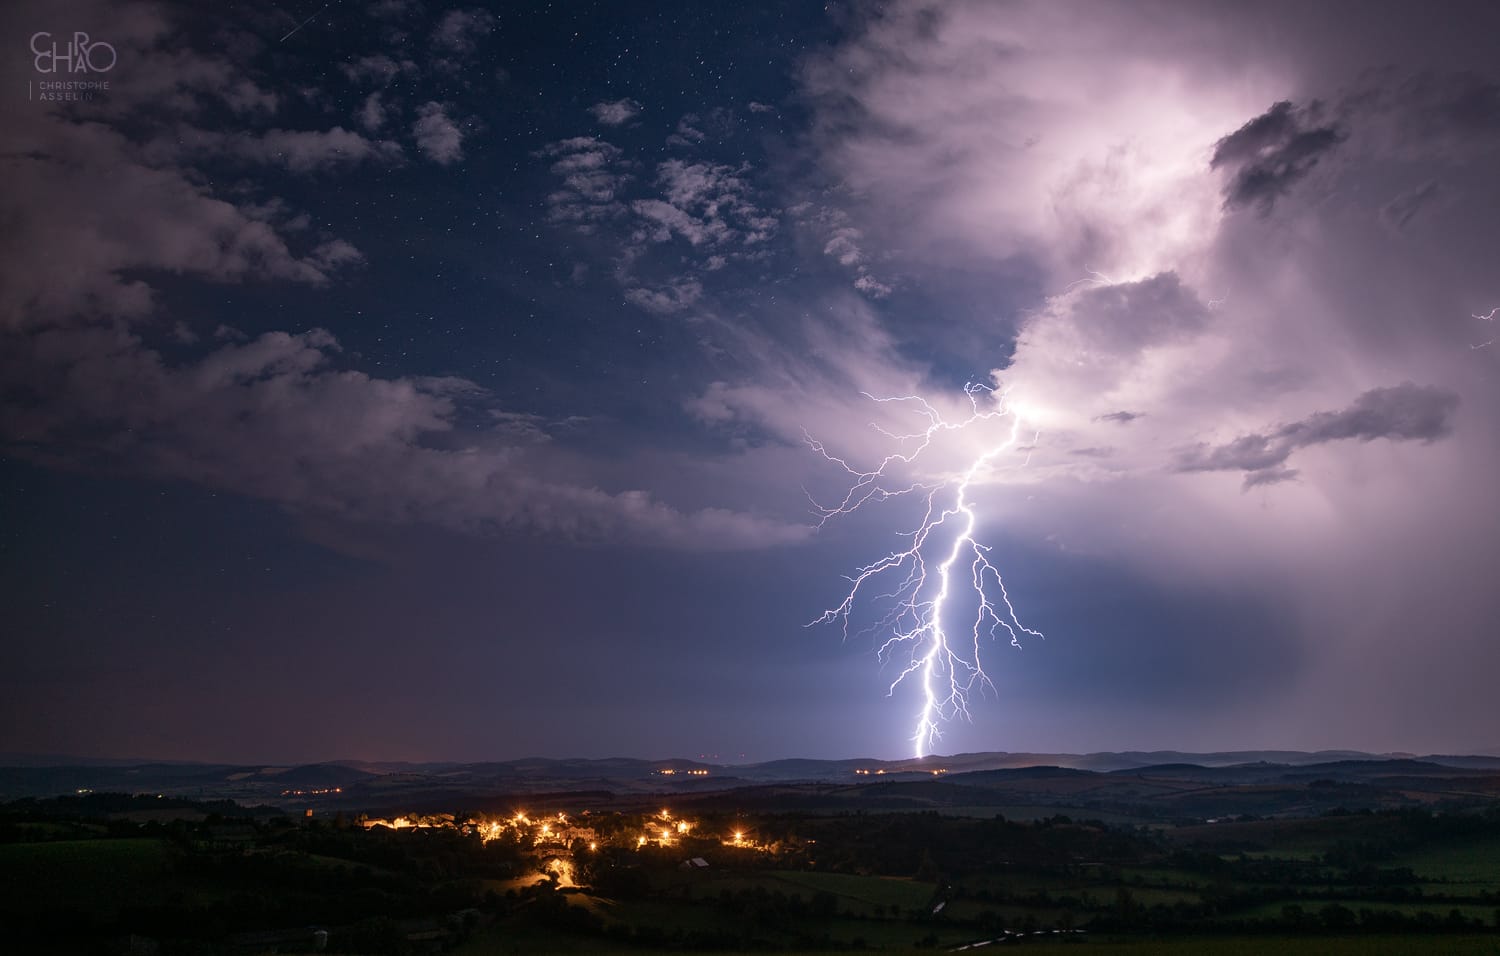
<point x="1403" y="412"/>
<point x="1272" y="152"/>
<point x="561" y="336"/>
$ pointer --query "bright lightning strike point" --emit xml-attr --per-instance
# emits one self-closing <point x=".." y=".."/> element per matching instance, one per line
<point x="946" y="666"/>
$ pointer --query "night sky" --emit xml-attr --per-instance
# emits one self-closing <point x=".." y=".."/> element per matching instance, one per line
<point x="401" y="381"/>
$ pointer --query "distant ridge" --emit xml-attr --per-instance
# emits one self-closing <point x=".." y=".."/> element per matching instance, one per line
<point x="24" y="775"/>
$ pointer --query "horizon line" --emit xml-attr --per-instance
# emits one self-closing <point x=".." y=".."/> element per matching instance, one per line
<point x="26" y="759"/>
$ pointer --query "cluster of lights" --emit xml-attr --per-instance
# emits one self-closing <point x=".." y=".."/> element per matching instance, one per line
<point x="411" y="821"/>
<point x="739" y="839"/>
<point x="670" y="772"/>
<point x="312" y="793"/>
<point x="555" y="830"/>
<point x="663" y="829"/>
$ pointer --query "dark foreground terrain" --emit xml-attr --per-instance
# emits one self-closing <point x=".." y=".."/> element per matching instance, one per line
<point x="1365" y="856"/>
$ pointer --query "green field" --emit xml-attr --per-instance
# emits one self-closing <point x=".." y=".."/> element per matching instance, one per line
<point x="1472" y="861"/>
<point x="858" y="894"/>
<point x="1404" y="882"/>
<point x="110" y="874"/>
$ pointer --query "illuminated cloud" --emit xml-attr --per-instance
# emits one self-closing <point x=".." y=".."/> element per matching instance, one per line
<point x="981" y="133"/>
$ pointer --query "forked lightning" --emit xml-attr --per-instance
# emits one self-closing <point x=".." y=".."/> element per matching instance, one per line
<point x="932" y="567"/>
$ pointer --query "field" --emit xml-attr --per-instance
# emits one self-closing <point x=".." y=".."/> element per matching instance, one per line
<point x="1407" y="881"/>
<point x="512" y="943"/>
<point x="1472" y="862"/>
<point x="110" y="874"/>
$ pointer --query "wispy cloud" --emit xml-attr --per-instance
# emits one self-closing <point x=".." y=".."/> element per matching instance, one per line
<point x="457" y="36"/>
<point x="668" y="299"/>
<point x="592" y="177"/>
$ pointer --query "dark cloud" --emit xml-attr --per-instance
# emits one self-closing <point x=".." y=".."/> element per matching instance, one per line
<point x="1467" y="102"/>
<point x="377" y="69"/>
<point x="1121" y="417"/>
<point x="459" y="33"/>
<point x="1269" y="476"/>
<point x="135" y="210"/>
<point x="1404" y="412"/>
<point x="1127" y="316"/>
<point x="275" y="418"/>
<point x="299" y="151"/>
<point x="1274" y="151"/>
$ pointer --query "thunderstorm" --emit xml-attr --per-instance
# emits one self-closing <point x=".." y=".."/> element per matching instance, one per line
<point x="942" y="557"/>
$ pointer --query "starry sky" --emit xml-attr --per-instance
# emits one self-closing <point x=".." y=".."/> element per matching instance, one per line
<point x="410" y="381"/>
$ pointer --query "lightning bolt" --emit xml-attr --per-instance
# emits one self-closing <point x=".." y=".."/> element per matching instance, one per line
<point x="1488" y="317"/>
<point x="927" y="572"/>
